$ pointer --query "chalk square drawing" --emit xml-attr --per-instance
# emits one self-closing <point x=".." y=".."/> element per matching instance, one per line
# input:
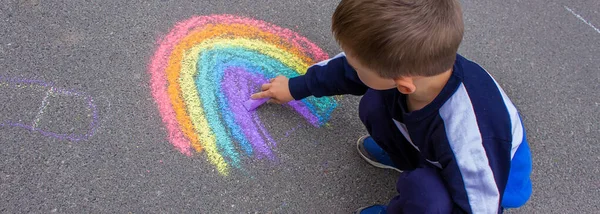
<point x="205" y="69"/>
<point x="40" y="107"/>
<point x="70" y="115"/>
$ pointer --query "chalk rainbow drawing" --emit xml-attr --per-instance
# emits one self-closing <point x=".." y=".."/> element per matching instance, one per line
<point x="81" y="134"/>
<point x="207" y="66"/>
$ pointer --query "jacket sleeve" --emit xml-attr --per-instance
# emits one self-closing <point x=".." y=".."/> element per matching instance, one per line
<point x="476" y="173"/>
<point x="327" y="78"/>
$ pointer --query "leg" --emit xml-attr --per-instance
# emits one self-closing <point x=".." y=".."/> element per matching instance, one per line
<point x="421" y="191"/>
<point x="375" y="113"/>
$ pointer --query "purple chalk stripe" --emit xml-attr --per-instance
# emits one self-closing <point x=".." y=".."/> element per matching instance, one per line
<point x="236" y="94"/>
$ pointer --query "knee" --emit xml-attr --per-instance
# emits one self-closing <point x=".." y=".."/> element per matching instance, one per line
<point x="371" y="107"/>
<point x="422" y="191"/>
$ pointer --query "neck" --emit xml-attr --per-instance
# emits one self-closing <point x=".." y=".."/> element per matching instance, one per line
<point x="428" y="88"/>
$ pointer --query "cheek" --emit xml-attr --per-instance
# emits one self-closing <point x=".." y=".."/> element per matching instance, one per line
<point x="366" y="79"/>
<point x="362" y="77"/>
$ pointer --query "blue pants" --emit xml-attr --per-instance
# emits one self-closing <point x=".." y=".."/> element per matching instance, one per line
<point x="420" y="187"/>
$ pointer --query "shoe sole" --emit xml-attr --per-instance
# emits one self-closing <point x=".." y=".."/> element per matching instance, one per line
<point x="374" y="163"/>
<point x="359" y="210"/>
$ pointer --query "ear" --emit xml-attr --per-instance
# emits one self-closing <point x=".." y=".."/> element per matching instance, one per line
<point x="405" y="85"/>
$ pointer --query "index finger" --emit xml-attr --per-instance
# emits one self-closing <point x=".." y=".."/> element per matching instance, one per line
<point x="264" y="94"/>
<point x="265" y="86"/>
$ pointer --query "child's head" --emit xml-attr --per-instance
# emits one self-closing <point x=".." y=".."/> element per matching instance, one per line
<point x="398" y="38"/>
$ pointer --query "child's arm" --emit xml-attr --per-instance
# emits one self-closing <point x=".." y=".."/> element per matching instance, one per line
<point x="331" y="77"/>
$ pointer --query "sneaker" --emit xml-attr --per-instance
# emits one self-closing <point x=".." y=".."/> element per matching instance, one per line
<point x="373" y="154"/>
<point x="373" y="209"/>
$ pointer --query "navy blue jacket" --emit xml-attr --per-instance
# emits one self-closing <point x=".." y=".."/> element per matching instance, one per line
<point x="471" y="132"/>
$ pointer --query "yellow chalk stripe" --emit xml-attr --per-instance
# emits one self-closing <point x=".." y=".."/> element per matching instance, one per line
<point x="196" y="112"/>
<point x="286" y="58"/>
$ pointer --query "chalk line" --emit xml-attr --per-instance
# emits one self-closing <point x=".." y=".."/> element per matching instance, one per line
<point x="53" y="90"/>
<point x="582" y="19"/>
<point x="38" y="116"/>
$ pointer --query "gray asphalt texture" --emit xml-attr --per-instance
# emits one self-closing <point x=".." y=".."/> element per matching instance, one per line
<point x="544" y="56"/>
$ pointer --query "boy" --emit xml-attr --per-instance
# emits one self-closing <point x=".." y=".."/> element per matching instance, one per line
<point x="431" y="113"/>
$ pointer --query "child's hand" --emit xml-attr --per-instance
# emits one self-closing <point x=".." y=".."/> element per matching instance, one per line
<point x="278" y="90"/>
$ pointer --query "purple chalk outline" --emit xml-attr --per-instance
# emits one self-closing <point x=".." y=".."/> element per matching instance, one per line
<point x="71" y="137"/>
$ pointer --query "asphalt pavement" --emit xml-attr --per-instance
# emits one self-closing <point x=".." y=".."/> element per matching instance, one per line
<point x="81" y="132"/>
